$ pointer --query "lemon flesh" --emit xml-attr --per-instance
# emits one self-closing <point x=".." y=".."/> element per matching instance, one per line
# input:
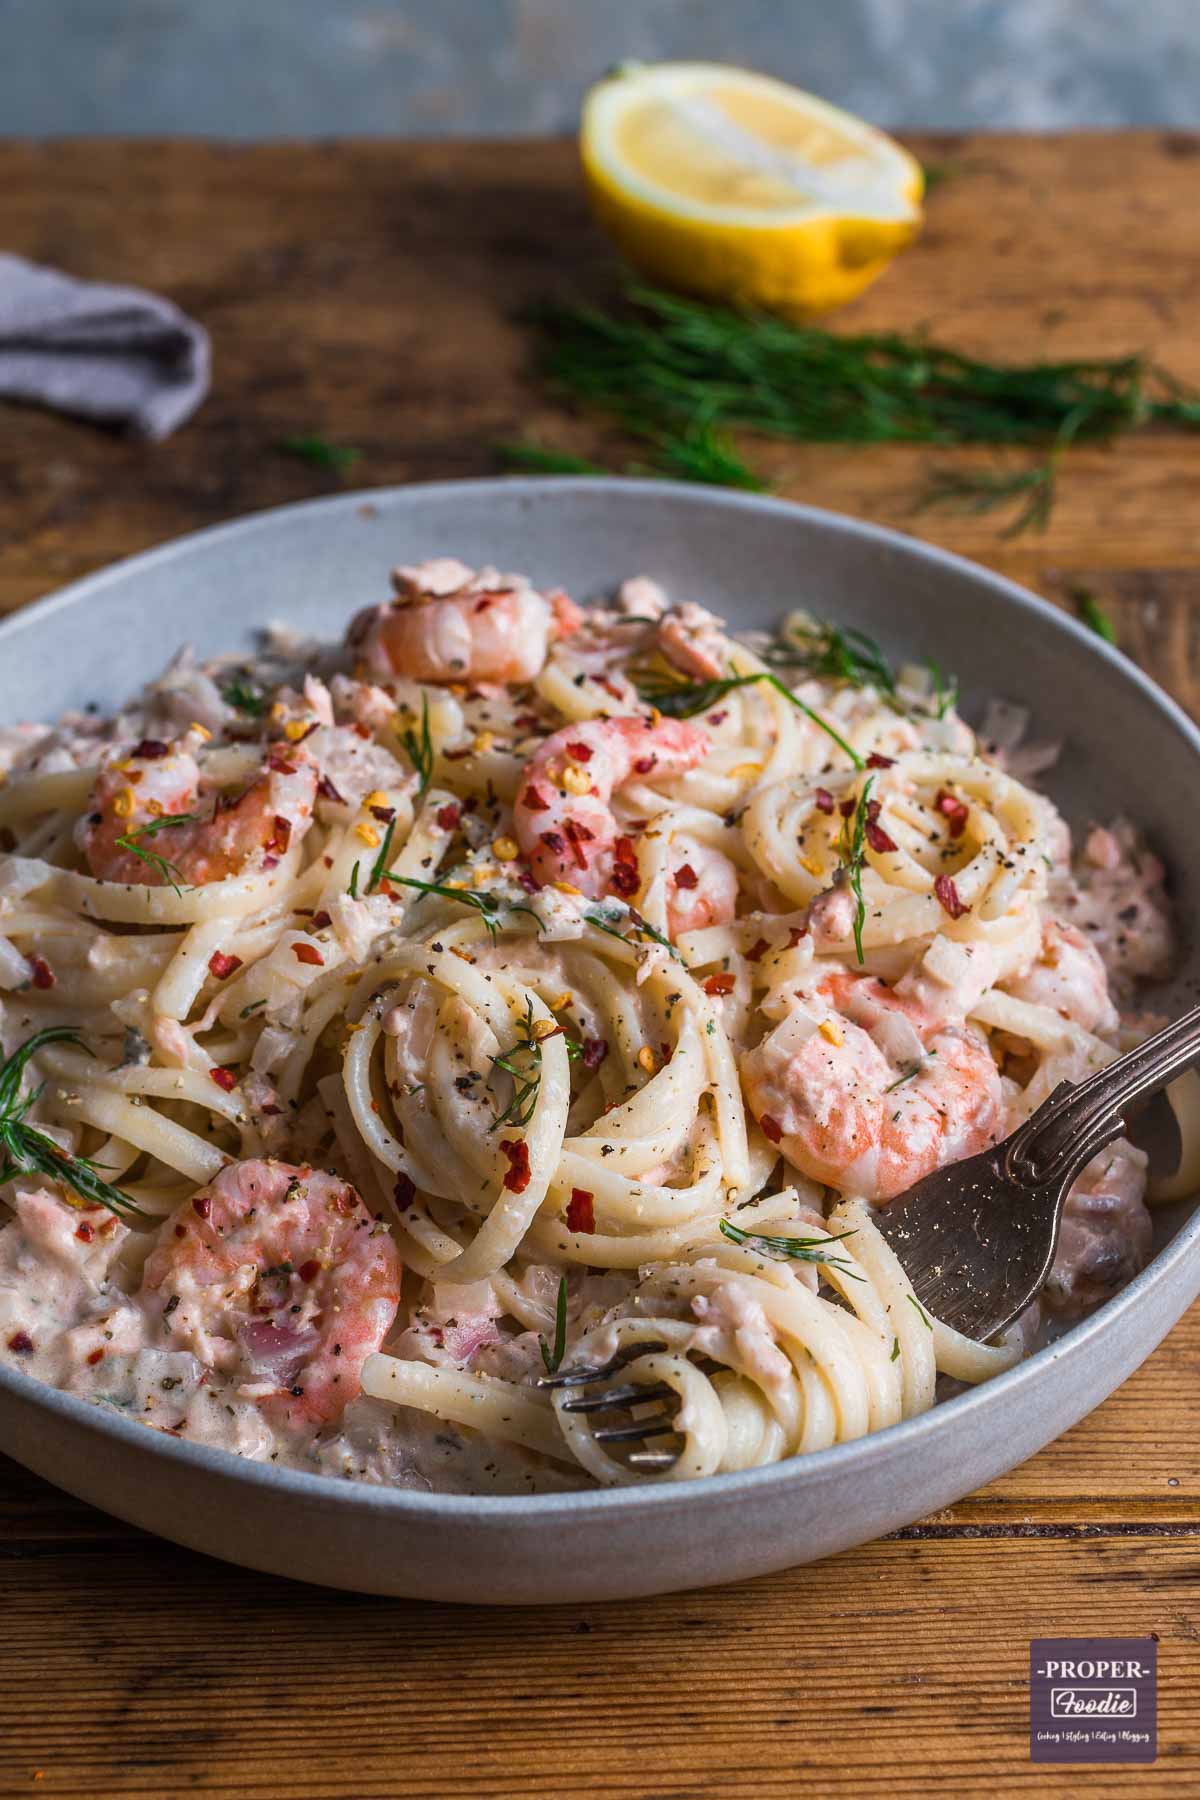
<point x="738" y="187"/>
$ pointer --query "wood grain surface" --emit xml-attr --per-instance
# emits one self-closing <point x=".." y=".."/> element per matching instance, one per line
<point x="371" y="293"/>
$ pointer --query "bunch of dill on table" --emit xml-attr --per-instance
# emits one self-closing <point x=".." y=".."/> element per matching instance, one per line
<point x="677" y="374"/>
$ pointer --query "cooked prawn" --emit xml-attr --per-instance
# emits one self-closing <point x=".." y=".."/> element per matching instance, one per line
<point x="449" y="623"/>
<point x="702" y="887"/>
<point x="216" y="837"/>
<point x="277" y="1274"/>
<point x="693" y="640"/>
<point x="563" y="811"/>
<point x="868" y="1092"/>
<point x="1069" y="977"/>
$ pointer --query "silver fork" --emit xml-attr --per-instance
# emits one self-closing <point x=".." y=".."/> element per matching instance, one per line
<point x="976" y="1238"/>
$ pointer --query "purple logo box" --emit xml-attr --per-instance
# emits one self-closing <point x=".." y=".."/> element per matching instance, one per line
<point x="1093" y="1700"/>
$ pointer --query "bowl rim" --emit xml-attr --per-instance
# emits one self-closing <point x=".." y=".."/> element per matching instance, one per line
<point x="914" y="1434"/>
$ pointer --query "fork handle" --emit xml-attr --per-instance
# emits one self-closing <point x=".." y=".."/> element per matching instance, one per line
<point x="1079" y="1119"/>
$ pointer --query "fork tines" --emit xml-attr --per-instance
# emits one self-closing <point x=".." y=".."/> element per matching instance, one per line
<point x="599" y="1371"/>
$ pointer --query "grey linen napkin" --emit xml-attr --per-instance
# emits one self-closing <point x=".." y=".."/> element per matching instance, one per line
<point x="114" y="354"/>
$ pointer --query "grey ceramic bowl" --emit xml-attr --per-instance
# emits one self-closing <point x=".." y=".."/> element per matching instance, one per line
<point x="1126" y="749"/>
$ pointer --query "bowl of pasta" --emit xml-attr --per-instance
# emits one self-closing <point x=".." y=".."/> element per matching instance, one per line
<point x="474" y="961"/>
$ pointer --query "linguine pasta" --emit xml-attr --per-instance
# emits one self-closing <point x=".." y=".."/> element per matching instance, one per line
<point x="518" y="989"/>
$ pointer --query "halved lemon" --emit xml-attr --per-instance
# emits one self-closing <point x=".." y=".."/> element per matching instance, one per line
<point x="734" y="185"/>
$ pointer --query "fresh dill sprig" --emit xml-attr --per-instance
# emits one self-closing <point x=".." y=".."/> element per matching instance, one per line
<point x="320" y="452"/>
<point x="489" y="906"/>
<point x="254" y="1004"/>
<point x="662" y="366"/>
<point x="853" y="856"/>
<point x="983" y="490"/>
<point x="700" y="452"/>
<point x="921" y="1313"/>
<point x="553" y="1357"/>
<point x="810" y="1250"/>
<point x="663" y="357"/>
<point x="352" y="884"/>
<point x="542" y="459"/>
<point x="1093" y="614"/>
<point x="28" y="1151"/>
<point x="684" y="700"/>
<point x="608" y="922"/>
<point x="244" y="698"/>
<point x="420" y="750"/>
<point x="170" y="872"/>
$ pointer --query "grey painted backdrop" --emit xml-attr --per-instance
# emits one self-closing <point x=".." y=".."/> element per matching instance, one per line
<point x="304" y="68"/>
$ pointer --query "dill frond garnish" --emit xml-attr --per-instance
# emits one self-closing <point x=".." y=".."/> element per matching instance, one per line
<point x="684" y="700"/>
<point x="913" y="1070"/>
<point x="853" y="856"/>
<point x="835" y="653"/>
<point x="810" y="1250"/>
<point x="320" y="452"/>
<point x="381" y="861"/>
<point x="607" y="922"/>
<point x="168" y="871"/>
<point x="244" y="698"/>
<point x="489" y="906"/>
<point x="553" y="1357"/>
<point x="420" y="750"/>
<point x="28" y="1151"/>
<point x="920" y="1310"/>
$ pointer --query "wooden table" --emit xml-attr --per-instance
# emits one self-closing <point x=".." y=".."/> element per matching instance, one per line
<point x="369" y="293"/>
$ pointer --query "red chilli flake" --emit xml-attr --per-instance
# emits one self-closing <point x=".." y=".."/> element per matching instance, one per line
<point x="149" y="750"/>
<point x="519" y="1174"/>
<point x="686" y="877"/>
<point x="308" y="953"/>
<point x="43" y="974"/>
<point x="533" y="800"/>
<point x="954" y="811"/>
<point x="875" y="761"/>
<point x="824" y="800"/>
<point x="577" y="836"/>
<point x="757" y="950"/>
<point x="225" y="1079"/>
<point x="448" y="816"/>
<point x="404" y="1192"/>
<point x="771" y="1129"/>
<point x="947" y="896"/>
<point x="221" y="967"/>
<point x="645" y="764"/>
<point x="874" y="833"/>
<point x="283" y="832"/>
<point x="94" y="1357"/>
<point x="278" y="763"/>
<point x="308" y="1271"/>
<point x="202" y="1205"/>
<point x="594" y="1052"/>
<point x="327" y="791"/>
<point x="847" y="808"/>
<point x="581" y="1212"/>
<point x="580" y="753"/>
<point x="624" y="879"/>
<point x="85" y="1232"/>
<point x="385" y="814"/>
<point x="716" y="985"/>
<point x="554" y="842"/>
<point x="21" y="1344"/>
<point x="320" y="920"/>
